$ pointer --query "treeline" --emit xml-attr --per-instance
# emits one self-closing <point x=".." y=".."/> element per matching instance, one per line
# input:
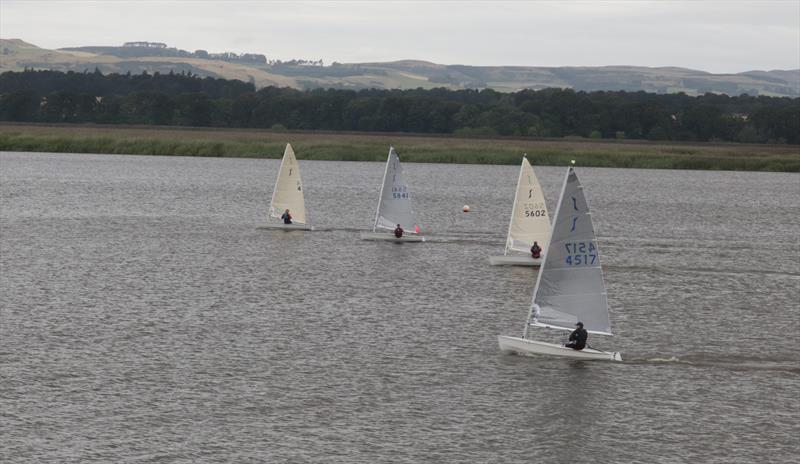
<point x="97" y="84"/>
<point x="181" y="99"/>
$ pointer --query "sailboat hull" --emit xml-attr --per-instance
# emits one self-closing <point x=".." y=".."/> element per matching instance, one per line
<point x="521" y="260"/>
<point x="294" y="226"/>
<point x="377" y="236"/>
<point x="533" y="347"/>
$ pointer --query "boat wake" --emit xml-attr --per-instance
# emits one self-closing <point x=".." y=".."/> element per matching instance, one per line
<point x="791" y="366"/>
<point x="699" y="270"/>
<point x="454" y="239"/>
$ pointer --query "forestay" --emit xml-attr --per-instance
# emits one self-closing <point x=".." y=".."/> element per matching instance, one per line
<point x="288" y="193"/>
<point x="529" y="219"/>
<point x="395" y="206"/>
<point x="570" y="286"/>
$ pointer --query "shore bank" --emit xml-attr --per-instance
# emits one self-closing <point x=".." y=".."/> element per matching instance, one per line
<point x="253" y="143"/>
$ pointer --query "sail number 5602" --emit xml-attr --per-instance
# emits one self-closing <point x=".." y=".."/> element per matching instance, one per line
<point x="537" y="213"/>
<point x="580" y="254"/>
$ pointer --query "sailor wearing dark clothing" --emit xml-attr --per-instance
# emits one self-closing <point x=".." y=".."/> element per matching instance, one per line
<point x="398" y="231"/>
<point x="536" y="250"/>
<point x="578" y="337"/>
<point x="287" y="218"/>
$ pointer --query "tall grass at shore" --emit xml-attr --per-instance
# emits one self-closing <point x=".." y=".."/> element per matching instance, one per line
<point x="373" y="147"/>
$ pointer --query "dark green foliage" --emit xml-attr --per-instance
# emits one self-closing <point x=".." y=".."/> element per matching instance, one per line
<point x="365" y="148"/>
<point x="187" y="100"/>
<point x="96" y="84"/>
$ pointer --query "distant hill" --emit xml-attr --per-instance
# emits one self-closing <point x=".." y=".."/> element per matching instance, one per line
<point x="16" y="55"/>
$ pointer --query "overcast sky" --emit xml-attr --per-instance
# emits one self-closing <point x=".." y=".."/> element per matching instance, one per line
<point x="712" y="35"/>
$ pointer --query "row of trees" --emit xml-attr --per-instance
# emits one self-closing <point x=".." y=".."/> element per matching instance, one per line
<point x="180" y="99"/>
<point x="97" y="84"/>
<point x="151" y="49"/>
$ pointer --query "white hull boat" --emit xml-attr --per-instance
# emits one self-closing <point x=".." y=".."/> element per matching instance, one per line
<point x="394" y="206"/>
<point x="569" y="286"/>
<point x="530" y="222"/>
<point x="294" y="226"/>
<point x="530" y="347"/>
<point x="389" y="237"/>
<point x="514" y="260"/>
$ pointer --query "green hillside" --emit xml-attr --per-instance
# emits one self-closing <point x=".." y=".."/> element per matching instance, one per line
<point x="17" y="55"/>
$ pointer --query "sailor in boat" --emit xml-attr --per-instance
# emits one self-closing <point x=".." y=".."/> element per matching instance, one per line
<point x="578" y="337"/>
<point x="398" y="231"/>
<point x="536" y="250"/>
<point x="287" y="217"/>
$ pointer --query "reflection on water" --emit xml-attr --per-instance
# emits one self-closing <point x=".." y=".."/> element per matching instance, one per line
<point x="145" y="317"/>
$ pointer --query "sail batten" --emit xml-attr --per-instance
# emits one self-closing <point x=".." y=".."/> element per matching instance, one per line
<point x="570" y="285"/>
<point x="395" y="204"/>
<point x="530" y="221"/>
<point x="288" y="192"/>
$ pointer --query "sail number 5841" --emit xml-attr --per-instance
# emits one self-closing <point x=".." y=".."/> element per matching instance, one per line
<point x="580" y="254"/>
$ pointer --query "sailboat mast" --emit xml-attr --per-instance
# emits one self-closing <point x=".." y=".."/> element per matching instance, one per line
<point x="383" y="186"/>
<point x="514" y="206"/>
<point x="546" y="251"/>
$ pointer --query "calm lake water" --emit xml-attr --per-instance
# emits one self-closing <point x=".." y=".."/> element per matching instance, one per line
<point x="145" y="318"/>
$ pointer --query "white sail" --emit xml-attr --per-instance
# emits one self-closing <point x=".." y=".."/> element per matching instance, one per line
<point x="529" y="219"/>
<point x="288" y="193"/>
<point x="570" y="285"/>
<point x="395" y="206"/>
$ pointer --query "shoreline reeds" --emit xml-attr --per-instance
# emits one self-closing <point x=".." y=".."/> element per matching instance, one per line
<point x="246" y="143"/>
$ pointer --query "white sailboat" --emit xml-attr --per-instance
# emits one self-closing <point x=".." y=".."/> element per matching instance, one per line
<point x="288" y="194"/>
<point x="570" y="285"/>
<point x="394" y="206"/>
<point x="529" y="221"/>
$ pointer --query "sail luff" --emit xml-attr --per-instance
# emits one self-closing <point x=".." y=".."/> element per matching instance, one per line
<point x="383" y="186"/>
<point x="514" y="206"/>
<point x="544" y="258"/>
<point x="275" y="187"/>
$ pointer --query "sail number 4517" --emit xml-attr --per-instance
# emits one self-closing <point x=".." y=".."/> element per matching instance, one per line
<point x="580" y="254"/>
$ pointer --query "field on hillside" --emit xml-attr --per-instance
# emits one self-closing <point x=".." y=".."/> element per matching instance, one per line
<point x="153" y="140"/>
<point x="408" y="74"/>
